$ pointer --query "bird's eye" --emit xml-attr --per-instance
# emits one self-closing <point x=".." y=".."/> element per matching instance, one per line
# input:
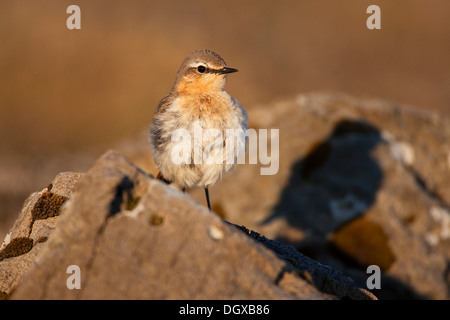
<point x="201" y="69"/>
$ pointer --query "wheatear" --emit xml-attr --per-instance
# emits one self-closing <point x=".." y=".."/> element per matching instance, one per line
<point x="198" y="100"/>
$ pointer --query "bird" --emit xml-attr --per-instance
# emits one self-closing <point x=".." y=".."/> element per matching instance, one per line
<point x="198" y="101"/>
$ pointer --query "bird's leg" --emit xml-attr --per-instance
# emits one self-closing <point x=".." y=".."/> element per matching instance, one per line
<point x="207" y="198"/>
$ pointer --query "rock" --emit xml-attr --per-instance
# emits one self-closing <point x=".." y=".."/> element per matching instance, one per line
<point x="33" y="226"/>
<point x="365" y="242"/>
<point x="23" y="174"/>
<point x="134" y="237"/>
<point x="343" y="162"/>
<point x="355" y="174"/>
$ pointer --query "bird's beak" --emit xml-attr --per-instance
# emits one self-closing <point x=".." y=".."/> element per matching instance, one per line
<point x="226" y="70"/>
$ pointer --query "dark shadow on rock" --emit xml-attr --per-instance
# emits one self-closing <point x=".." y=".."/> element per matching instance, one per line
<point x="391" y="288"/>
<point x="328" y="192"/>
<point x="335" y="182"/>
<point x="122" y="196"/>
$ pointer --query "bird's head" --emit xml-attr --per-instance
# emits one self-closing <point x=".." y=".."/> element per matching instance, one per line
<point x="202" y="71"/>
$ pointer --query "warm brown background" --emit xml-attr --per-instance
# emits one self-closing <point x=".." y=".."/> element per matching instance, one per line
<point x="83" y="90"/>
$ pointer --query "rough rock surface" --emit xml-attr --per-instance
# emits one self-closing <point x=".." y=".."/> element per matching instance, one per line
<point x="360" y="182"/>
<point x="27" y="237"/>
<point x="134" y="237"/>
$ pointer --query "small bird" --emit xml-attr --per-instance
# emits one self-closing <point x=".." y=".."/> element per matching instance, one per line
<point x="198" y="99"/>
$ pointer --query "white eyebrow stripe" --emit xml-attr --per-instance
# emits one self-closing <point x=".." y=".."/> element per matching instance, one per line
<point x="197" y="64"/>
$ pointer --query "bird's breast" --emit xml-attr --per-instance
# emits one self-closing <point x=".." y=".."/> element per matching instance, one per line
<point x="213" y="109"/>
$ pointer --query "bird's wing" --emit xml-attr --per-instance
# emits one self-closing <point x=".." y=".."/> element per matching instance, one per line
<point x="164" y="103"/>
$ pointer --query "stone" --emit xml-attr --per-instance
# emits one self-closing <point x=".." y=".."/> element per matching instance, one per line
<point x="344" y="158"/>
<point x="345" y="161"/>
<point x="31" y="230"/>
<point x="134" y="237"/>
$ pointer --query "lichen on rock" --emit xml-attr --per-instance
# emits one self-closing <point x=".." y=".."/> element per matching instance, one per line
<point x="48" y="205"/>
<point x="16" y="247"/>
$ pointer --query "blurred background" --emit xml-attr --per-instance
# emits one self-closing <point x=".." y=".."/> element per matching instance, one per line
<point x="72" y="94"/>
